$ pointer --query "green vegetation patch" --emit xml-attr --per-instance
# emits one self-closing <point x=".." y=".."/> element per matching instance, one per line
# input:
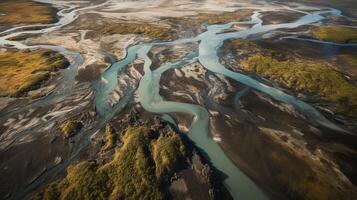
<point x="109" y="138"/>
<point x="172" y="28"/>
<point x="137" y="170"/>
<point x="71" y="127"/>
<point x="167" y="152"/>
<point x="26" y="12"/>
<point x="241" y="47"/>
<point x="225" y="17"/>
<point x="307" y="76"/>
<point x="24" y="70"/>
<point x="149" y="30"/>
<point x="337" y="34"/>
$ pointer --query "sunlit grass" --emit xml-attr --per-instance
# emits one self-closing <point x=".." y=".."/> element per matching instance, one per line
<point x="137" y="170"/>
<point x="155" y="31"/>
<point x="70" y="127"/>
<point x="149" y="30"/>
<point x="25" y="12"/>
<point x="225" y="17"/>
<point x="337" y="34"/>
<point x="21" y="71"/>
<point x="109" y="138"/>
<point x="167" y="152"/>
<point x="307" y="76"/>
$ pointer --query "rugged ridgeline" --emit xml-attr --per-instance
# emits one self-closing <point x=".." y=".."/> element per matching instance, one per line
<point x="138" y="161"/>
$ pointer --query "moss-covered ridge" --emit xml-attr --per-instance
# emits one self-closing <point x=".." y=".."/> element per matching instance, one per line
<point x="26" y="12"/>
<point x="109" y="138"/>
<point x="307" y="76"/>
<point x="139" y="169"/>
<point x="337" y="34"/>
<point x="224" y="17"/>
<point x="146" y="29"/>
<point x="24" y="70"/>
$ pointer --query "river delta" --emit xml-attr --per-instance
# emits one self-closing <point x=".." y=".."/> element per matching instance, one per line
<point x="178" y="99"/>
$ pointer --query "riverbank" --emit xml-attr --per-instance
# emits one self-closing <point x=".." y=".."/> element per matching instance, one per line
<point x="265" y="59"/>
<point x="162" y="157"/>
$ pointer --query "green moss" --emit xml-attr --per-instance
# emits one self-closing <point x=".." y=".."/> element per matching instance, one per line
<point x="337" y="34"/>
<point x="24" y="70"/>
<point x="167" y="152"/>
<point x="309" y="77"/>
<point x="70" y="127"/>
<point x="130" y="175"/>
<point x="50" y="193"/>
<point x="149" y="30"/>
<point x="26" y="12"/>
<point x="225" y="17"/>
<point x="109" y="138"/>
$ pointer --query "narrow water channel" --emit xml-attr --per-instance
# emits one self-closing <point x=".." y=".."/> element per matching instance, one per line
<point x="238" y="184"/>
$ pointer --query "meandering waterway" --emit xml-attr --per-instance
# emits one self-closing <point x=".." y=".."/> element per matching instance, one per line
<point x="239" y="185"/>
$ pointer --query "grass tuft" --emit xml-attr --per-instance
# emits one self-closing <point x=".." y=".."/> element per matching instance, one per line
<point x="71" y="127"/>
<point x="109" y="138"/>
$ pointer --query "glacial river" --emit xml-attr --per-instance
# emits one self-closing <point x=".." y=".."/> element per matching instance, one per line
<point x="238" y="184"/>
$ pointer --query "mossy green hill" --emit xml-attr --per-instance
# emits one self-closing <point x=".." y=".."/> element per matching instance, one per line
<point x="307" y="76"/>
<point x="225" y="17"/>
<point x="337" y="34"/>
<point x="24" y="70"/>
<point x="139" y="169"/>
<point x="109" y="138"/>
<point x="148" y="30"/>
<point x="26" y="12"/>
